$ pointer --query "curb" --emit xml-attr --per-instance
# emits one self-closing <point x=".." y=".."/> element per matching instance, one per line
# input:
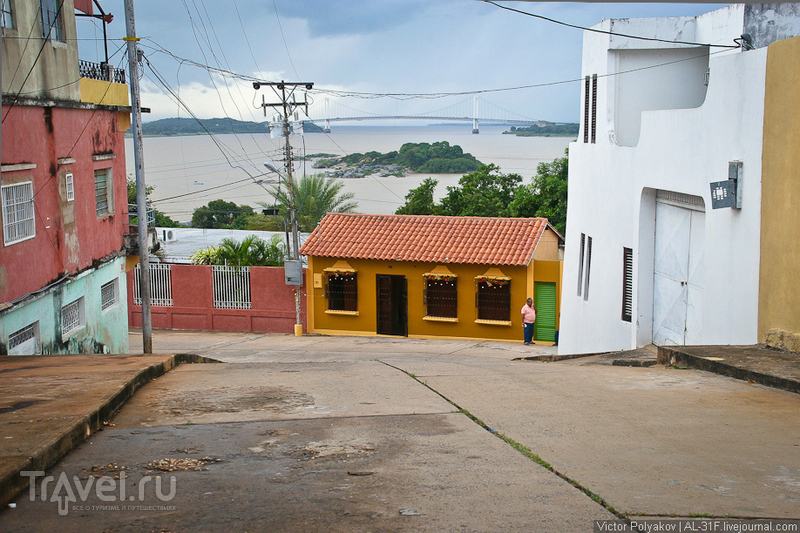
<point x="671" y="356"/>
<point x="50" y="453"/>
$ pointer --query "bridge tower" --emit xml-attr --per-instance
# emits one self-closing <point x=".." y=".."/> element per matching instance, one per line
<point x="327" y="128"/>
<point x="475" y="114"/>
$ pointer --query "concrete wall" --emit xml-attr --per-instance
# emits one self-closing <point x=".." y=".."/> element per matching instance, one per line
<point x="612" y="191"/>
<point x="273" y="303"/>
<point x="43" y="145"/>
<point x="779" y="279"/>
<point x="54" y="74"/>
<point x="105" y="331"/>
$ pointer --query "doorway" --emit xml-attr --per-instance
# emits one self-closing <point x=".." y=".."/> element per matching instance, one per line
<point x="392" y="305"/>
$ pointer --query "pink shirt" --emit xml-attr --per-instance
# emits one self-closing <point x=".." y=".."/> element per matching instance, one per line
<point x="528" y="314"/>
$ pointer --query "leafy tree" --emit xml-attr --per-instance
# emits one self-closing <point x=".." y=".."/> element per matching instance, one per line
<point x="251" y="251"/>
<point x="162" y="220"/>
<point x="546" y="196"/>
<point x="314" y="195"/>
<point x="483" y="193"/>
<point x="221" y="214"/>
<point x="419" y="201"/>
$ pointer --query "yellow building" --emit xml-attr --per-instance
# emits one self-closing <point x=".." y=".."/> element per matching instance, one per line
<point x="433" y="276"/>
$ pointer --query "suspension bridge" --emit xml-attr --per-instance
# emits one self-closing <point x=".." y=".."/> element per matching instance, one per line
<point x="476" y="110"/>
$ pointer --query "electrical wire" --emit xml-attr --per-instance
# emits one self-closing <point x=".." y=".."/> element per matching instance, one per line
<point x="283" y="36"/>
<point x="606" y="32"/>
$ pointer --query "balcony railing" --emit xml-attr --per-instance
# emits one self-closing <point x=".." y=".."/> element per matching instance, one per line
<point x="101" y="71"/>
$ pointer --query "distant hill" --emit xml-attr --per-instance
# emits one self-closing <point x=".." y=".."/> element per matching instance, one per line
<point x="189" y="126"/>
<point x="548" y="130"/>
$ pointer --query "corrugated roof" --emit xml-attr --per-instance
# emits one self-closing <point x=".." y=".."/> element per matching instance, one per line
<point x="435" y="239"/>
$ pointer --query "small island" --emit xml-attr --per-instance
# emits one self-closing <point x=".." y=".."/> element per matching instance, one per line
<point x="545" y="129"/>
<point x="189" y="126"/>
<point x="437" y="158"/>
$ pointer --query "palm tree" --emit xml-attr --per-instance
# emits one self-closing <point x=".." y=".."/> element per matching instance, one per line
<point x="252" y="251"/>
<point x="314" y="196"/>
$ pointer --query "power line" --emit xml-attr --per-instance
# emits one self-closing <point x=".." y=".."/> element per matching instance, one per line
<point x="285" y="44"/>
<point x="606" y="32"/>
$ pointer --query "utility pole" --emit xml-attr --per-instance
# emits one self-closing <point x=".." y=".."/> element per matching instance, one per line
<point x="288" y="102"/>
<point x="141" y="189"/>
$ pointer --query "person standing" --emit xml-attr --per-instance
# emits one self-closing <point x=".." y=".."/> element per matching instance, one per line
<point x="528" y="320"/>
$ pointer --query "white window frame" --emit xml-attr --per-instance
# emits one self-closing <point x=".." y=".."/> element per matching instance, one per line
<point x="25" y="341"/>
<point x="18" y="212"/>
<point x="7" y="9"/>
<point x="109" y="193"/>
<point x="109" y="294"/>
<point x="69" y="185"/>
<point x="75" y="313"/>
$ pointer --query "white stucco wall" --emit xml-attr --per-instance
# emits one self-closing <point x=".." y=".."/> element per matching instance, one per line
<point x="612" y="191"/>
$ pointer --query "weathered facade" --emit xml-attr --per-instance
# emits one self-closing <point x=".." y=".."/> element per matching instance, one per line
<point x="64" y="198"/>
<point x="432" y="276"/>
<point x="649" y="258"/>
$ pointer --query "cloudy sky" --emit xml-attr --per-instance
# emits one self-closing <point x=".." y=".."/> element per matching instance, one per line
<point x="377" y="46"/>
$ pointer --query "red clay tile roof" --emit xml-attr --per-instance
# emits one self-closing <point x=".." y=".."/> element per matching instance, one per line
<point x="435" y="239"/>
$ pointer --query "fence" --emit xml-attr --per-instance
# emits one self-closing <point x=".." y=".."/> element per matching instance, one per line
<point x="206" y="298"/>
<point x="160" y="284"/>
<point x="231" y="287"/>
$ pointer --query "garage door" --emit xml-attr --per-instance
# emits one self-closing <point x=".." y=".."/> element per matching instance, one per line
<point x="678" y="270"/>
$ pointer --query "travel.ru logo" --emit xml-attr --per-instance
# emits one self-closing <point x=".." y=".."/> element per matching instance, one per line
<point x="106" y="488"/>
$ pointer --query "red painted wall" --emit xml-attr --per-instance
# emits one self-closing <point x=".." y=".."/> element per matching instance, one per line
<point x="69" y="235"/>
<point x="273" y="307"/>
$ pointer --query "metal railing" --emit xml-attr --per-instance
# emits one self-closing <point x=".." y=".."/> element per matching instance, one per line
<point x="160" y="284"/>
<point x="101" y="71"/>
<point x="231" y="287"/>
<point x="134" y="215"/>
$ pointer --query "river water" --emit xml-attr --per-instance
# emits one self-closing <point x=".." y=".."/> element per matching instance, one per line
<point x="182" y="169"/>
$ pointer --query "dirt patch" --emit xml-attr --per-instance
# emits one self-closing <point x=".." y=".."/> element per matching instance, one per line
<point x="231" y="400"/>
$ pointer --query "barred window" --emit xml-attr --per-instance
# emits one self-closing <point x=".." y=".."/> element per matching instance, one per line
<point x="103" y="192"/>
<point x="7" y="14"/>
<point x="342" y="291"/>
<point x="18" y="215"/>
<point x="69" y="185"/>
<point x="52" y="21"/>
<point x="109" y="294"/>
<point x="72" y="317"/>
<point x="441" y="297"/>
<point x="493" y="299"/>
<point x="25" y="341"/>
<point x="627" y="284"/>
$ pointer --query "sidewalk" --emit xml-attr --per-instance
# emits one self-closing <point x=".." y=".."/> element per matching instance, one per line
<point x="51" y="404"/>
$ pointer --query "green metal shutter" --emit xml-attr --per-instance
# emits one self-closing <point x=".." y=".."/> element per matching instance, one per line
<point x="545" y="303"/>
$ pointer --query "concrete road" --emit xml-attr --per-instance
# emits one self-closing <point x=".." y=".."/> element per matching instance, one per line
<point x="365" y="434"/>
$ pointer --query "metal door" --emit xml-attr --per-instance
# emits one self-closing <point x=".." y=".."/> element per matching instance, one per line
<point x="678" y="275"/>
<point x="392" y="303"/>
<point x="545" y="303"/>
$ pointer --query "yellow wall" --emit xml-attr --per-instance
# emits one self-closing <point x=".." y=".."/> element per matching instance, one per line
<point x="779" y="278"/>
<point x="103" y="92"/>
<point x="366" y="320"/>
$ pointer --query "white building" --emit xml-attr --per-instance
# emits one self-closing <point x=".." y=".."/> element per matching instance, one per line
<point x="648" y="260"/>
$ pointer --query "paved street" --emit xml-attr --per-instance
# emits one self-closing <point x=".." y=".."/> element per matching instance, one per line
<point x="373" y="434"/>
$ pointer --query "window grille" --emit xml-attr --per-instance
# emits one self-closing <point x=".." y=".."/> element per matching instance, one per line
<point x="580" y="263"/>
<point x="231" y="287"/>
<point x="108" y="294"/>
<point x="69" y="185"/>
<point x="52" y="21"/>
<point x="441" y="298"/>
<point x="18" y="214"/>
<point x="72" y="317"/>
<point x="493" y="300"/>
<point x="594" y="108"/>
<point x="627" y="284"/>
<point x="102" y="191"/>
<point x="588" y="267"/>
<point x="7" y="14"/>
<point x="586" y="106"/>
<point x="20" y="337"/>
<point x="160" y="284"/>
<point x="341" y="290"/>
